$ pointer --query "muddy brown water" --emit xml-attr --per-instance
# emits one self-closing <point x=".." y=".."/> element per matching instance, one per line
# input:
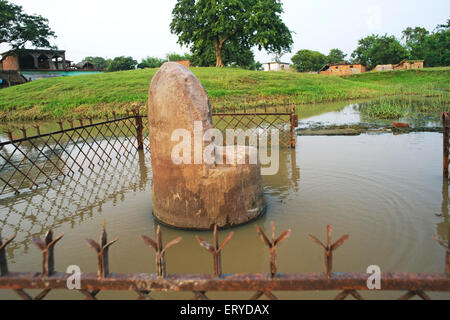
<point x="386" y="191"/>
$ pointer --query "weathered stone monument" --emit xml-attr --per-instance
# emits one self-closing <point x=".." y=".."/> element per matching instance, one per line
<point x="189" y="195"/>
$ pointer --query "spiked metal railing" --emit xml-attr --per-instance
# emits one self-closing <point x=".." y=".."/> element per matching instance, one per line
<point x="200" y="284"/>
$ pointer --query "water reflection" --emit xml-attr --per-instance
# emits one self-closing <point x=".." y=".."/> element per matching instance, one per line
<point x="287" y="180"/>
<point x="443" y="228"/>
<point x="385" y="191"/>
<point x="72" y="200"/>
<point x="350" y="114"/>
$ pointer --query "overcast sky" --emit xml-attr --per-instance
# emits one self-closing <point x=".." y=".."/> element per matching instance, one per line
<point x="140" y="28"/>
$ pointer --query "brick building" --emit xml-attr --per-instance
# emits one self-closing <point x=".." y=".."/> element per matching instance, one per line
<point x="384" y="67"/>
<point x="342" y="69"/>
<point x="34" y="60"/>
<point x="409" y="64"/>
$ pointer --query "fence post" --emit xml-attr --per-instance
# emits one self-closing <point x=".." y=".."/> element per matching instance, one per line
<point x="445" y="126"/>
<point x="139" y="129"/>
<point x="294" y="124"/>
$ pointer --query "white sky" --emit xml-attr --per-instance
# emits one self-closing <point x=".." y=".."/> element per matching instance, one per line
<point x="140" y="28"/>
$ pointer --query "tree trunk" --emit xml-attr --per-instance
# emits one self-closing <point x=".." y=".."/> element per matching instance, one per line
<point x="219" y="61"/>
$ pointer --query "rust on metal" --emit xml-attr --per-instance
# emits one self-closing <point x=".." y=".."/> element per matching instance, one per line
<point x="328" y="249"/>
<point x="447" y="249"/>
<point x="445" y="117"/>
<point x="215" y="249"/>
<point x="47" y="248"/>
<point x="160" y="250"/>
<point x="272" y="245"/>
<point x="3" y="259"/>
<point x="24" y="132"/>
<point x="139" y="128"/>
<point x="349" y="284"/>
<point x="102" y="248"/>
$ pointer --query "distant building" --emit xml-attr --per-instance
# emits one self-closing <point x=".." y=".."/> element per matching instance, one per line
<point x="342" y="69"/>
<point x="36" y="64"/>
<point x="409" y="64"/>
<point x="276" y="66"/>
<point x="84" y="65"/>
<point x="403" y="65"/>
<point x="384" y="67"/>
<point x="34" y="60"/>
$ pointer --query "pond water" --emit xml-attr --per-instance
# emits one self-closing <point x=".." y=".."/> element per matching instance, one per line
<point x="386" y="191"/>
<point x="350" y="114"/>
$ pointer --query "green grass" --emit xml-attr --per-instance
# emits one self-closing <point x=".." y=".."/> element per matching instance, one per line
<point x="100" y="94"/>
<point x="412" y="108"/>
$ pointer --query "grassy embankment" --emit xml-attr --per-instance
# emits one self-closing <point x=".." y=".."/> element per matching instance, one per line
<point x="96" y="95"/>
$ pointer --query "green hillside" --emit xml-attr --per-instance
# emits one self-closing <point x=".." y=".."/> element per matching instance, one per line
<point x="228" y="87"/>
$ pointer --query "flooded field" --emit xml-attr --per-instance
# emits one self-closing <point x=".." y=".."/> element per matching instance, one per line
<point x="386" y="191"/>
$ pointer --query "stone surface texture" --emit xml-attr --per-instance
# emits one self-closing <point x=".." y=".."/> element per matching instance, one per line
<point x="196" y="196"/>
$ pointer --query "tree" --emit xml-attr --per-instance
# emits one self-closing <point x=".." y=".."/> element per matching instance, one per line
<point x="234" y="54"/>
<point x="98" y="62"/>
<point x="151" y="62"/>
<point x="336" y="56"/>
<point x="415" y="41"/>
<point x="178" y="57"/>
<point x="437" y="47"/>
<point x="253" y="22"/>
<point x="122" y="63"/>
<point x="375" y="49"/>
<point x="308" y="60"/>
<point x="18" y="28"/>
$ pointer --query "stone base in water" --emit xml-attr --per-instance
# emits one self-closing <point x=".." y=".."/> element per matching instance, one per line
<point x="196" y="196"/>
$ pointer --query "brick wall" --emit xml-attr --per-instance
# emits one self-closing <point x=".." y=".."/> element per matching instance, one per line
<point x="11" y="63"/>
<point x="409" y="65"/>
<point x="344" y="70"/>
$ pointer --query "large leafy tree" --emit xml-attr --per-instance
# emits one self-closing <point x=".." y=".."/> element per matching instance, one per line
<point x="252" y="22"/>
<point x="18" y="28"/>
<point x="415" y="41"/>
<point x="375" y="49"/>
<point x="308" y="60"/>
<point x="122" y="63"/>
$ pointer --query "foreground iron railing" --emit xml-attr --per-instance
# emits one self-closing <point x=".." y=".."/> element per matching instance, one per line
<point x="415" y="284"/>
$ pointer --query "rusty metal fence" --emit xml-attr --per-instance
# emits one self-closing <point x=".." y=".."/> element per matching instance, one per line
<point x="446" y="127"/>
<point x="73" y="201"/>
<point x="42" y="159"/>
<point x="91" y="284"/>
<point x="36" y="159"/>
<point x="256" y="120"/>
<point x="71" y="154"/>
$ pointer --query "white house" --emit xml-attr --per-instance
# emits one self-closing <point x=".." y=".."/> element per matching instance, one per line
<point x="276" y="66"/>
